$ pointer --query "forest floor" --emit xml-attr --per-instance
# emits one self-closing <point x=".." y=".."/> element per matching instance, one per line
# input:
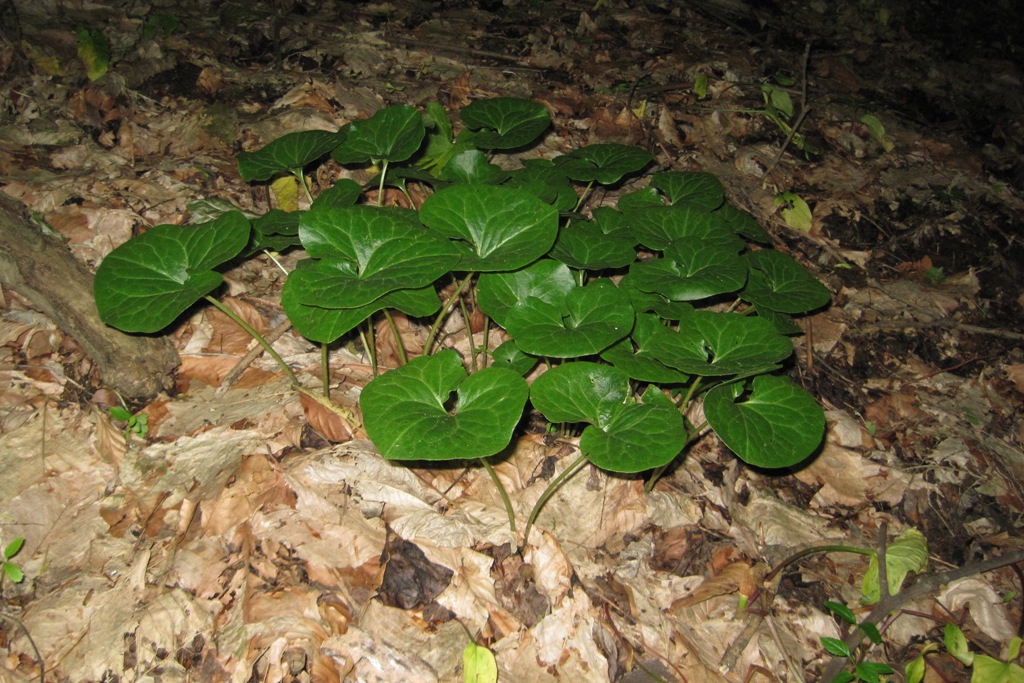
<point x="233" y="541"/>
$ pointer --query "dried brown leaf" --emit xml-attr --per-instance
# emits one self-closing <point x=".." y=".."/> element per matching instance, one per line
<point x="325" y="421"/>
<point x="736" y="577"/>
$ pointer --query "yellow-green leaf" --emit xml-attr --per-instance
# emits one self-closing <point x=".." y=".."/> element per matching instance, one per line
<point x="908" y="553"/>
<point x="286" y="191"/>
<point x="478" y="665"/>
<point x="94" y="51"/>
<point x="794" y="211"/>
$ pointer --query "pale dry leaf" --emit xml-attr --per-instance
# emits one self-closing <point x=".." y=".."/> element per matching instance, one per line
<point x="839" y="474"/>
<point x="986" y="608"/>
<point x="108" y="440"/>
<point x="551" y="566"/>
<point x="1015" y="372"/>
<point x="470" y="594"/>
<point x="847" y="431"/>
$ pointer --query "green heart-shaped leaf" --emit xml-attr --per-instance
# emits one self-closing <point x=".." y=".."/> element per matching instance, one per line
<point x="472" y="166"/>
<point x="700" y="191"/>
<point x="367" y="252"/>
<point x="276" y="230"/>
<point x="585" y="246"/>
<point x="498" y="228"/>
<point x="324" y="325"/>
<point x="605" y="163"/>
<point x="542" y="179"/>
<point x="408" y="416"/>
<point x="345" y="192"/>
<point x="504" y="122"/>
<point x="777" y="424"/>
<point x="644" y="302"/>
<point x="147" y="282"/>
<point x="777" y="281"/>
<point x="633" y="355"/>
<point x="624" y="436"/>
<point x="499" y="293"/>
<point x="642" y="436"/>
<point x="743" y="224"/>
<point x="287" y="154"/>
<point x="656" y="227"/>
<point x="508" y="355"/>
<point x="717" y="344"/>
<point x="392" y="134"/>
<point x="640" y="199"/>
<point x="587" y="320"/>
<point x="691" y="270"/>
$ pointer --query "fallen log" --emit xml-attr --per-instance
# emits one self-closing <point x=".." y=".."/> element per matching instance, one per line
<point x="41" y="268"/>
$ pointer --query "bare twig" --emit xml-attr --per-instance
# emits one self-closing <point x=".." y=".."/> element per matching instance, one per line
<point x="39" y="657"/>
<point x="254" y="353"/>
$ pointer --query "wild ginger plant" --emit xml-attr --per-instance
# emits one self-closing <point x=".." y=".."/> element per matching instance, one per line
<point x="637" y="311"/>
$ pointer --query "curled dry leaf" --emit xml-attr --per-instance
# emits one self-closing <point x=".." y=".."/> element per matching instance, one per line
<point x="736" y="577"/>
<point x="326" y="422"/>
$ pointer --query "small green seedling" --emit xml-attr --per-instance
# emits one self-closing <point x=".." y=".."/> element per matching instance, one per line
<point x="11" y="570"/>
<point x="134" y="424"/>
<point x="622" y="305"/>
<point x="861" y="670"/>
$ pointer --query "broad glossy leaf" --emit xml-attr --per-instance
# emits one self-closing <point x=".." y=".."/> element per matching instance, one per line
<point x="644" y="302"/>
<point x="656" y="227"/>
<point x="624" y="436"/>
<point x="508" y="355"/>
<point x="408" y="415"/>
<point x="367" y="252"/>
<point x="581" y="392"/>
<point x="718" y="344"/>
<point x="147" y="282"/>
<point x="611" y="222"/>
<point x="345" y="192"/>
<point x="783" y="322"/>
<point x="541" y="178"/>
<point x="639" y="199"/>
<point x="701" y="191"/>
<point x="472" y="166"/>
<point x="691" y="270"/>
<point x="583" y="245"/>
<point x="276" y="230"/>
<point x="286" y="154"/>
<point x="499" y="293"/>
<point x="743" y="224"/>
<point x="505" y="122"/>
<point x="642" y="436"/>
<point x="777" y="281"/>
<point x="605" y="163"/>
<point x="392" y="134"/>
<point x="586" y="321"/>
<point x="777" y="424"/>
<point x="633" y="356"/>
<point x="497" y="228"/>
<point x="324" y="325"/>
